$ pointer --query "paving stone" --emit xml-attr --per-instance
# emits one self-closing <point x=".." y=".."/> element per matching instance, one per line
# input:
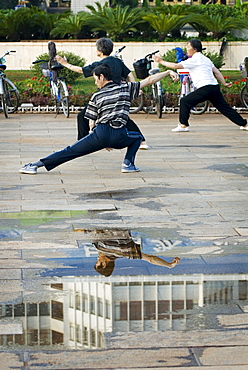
<point x="192" y="189"/>
<point x="223" y="356"/>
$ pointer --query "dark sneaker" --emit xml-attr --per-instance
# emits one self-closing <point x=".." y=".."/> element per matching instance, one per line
<point x="29" y="169"/>
<point x="129" y="168"/>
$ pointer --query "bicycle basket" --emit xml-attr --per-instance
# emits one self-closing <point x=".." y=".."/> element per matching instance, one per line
<point x="44" y="69"/>
<point x="141" y="68"/>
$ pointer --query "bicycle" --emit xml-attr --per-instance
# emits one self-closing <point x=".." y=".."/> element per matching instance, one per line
<point x="136" y="104"/>
<point x="50" y="69"/>
<point x="9" y="94"/>
<point x="244" y="91"/>
<point x="154" y="93"/>
<point x="186" y="88"/>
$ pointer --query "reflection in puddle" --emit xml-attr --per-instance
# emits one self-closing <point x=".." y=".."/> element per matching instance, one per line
<point x="88" y="308"/>
<point x="78" y="306"/>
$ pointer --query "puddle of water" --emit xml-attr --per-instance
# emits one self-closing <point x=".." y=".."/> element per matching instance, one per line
<point x="68" y="304"/>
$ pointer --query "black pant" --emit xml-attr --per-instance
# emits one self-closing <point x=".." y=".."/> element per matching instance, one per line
<point x="103" y="136"/>
<point x="214" y="95"/>
<point x="83" y="125"/>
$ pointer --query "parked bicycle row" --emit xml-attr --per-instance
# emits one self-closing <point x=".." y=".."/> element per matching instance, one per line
<point x="151" y="100"/>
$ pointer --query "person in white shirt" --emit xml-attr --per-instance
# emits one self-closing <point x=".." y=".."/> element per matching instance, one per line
<point x="204" y="76"/>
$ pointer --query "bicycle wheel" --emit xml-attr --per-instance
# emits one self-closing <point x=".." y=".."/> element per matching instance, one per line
<point x="137" y="104"/>
<point x="12" y="96"/>
<point x="64" y="98"/>
<point x="159" y="103"/>
<point x="244" y="96"/>
<point x="200" y="108"/>
<point x="148" y="105"/>
<point x="54" y="95"/>
<point x="3" y="105"/>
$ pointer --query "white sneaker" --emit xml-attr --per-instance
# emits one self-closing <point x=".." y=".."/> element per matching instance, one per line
<point x="244" y="127"/>
<point x="144" y="146"/>
<point x="29" y="169"/>
<point x="179" y="128"/>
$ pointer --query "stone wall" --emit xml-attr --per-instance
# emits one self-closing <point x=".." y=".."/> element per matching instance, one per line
<point x="26" y="52"/>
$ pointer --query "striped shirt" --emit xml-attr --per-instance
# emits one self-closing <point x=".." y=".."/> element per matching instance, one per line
<point x="110" y="105"/>
<point x="125" y="248"/>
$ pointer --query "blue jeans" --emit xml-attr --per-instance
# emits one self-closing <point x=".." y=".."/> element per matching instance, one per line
<point x="103" y="136"/>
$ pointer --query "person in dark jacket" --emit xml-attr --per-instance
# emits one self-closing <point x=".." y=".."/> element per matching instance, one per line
<point x="120" y="72"/>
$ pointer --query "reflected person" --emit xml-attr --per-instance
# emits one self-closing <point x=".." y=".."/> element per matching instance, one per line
<point x="109" y="250"/>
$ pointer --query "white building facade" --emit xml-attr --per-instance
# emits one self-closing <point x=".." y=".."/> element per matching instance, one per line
<point x="80" y="5"/>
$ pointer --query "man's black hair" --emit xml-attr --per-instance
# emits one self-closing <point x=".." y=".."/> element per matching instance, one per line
<point x="105" y="45"/>
<point x="106" y="271"/>
<point x="103" y="69"/>
<point x="196" y="44"/>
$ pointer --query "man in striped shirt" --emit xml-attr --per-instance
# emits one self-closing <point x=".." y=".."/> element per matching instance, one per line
<point x="109" y="109"/>
<point x="109" y="250"/>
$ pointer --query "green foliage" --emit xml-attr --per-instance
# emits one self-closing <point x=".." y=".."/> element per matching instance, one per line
<point x="122" y="21"/>
<point x="145" y="4"/>
<point x="242" y="7"/>
<point x="34" y="90"/>
<point x="163" y="23"/>
<point x="71" y="25"/>
<point x="219" y="24"/>
<point x="116" y="22"/>
<point x="170" y="56"/>
<point x="69" y="75"/>
<point x="27" y="24"/>
<point x="215" y="58"/>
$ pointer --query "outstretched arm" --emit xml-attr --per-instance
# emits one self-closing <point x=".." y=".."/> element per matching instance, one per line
<point x="68" y="65"/>
<point x="158" y="59"/>
<point x="220" y="77"/>
<point x="157" y="77"/>
<point x="130" y="77"/>
<point x="159" y="261"/>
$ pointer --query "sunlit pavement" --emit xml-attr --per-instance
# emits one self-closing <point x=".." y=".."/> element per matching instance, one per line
<point x="190" y="200"/>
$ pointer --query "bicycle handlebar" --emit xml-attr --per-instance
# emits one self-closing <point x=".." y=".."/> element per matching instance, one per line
<point x="119" y="51"/>
<point x="7" y="53"/>
<point x="40" y="61"/>
<point x="151" y="54"/>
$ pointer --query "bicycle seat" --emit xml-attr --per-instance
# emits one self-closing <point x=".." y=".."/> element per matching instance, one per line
<point x="183" y="71"/>
<point x="153" y="71"/>
<point x="3" y="66"/>
<point x="57" y="67"/>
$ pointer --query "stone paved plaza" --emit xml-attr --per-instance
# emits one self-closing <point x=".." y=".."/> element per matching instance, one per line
<point x="190" y="200"/>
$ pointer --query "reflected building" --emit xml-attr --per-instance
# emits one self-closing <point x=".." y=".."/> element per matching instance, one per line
<point x="90" y="306"/>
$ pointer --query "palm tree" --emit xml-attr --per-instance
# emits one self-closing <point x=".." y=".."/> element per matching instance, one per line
<point x="71" y="25"/>
<point x="9" y="25"/>
<point x="116" y="22"/>
<point x="242" y="6"/>
<point x="163" y="24"/>
<point x="45" y="22"/>
<point x="217" y="24"/>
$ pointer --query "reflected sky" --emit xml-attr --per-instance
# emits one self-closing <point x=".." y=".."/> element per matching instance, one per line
<point x="60" y="301"/>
